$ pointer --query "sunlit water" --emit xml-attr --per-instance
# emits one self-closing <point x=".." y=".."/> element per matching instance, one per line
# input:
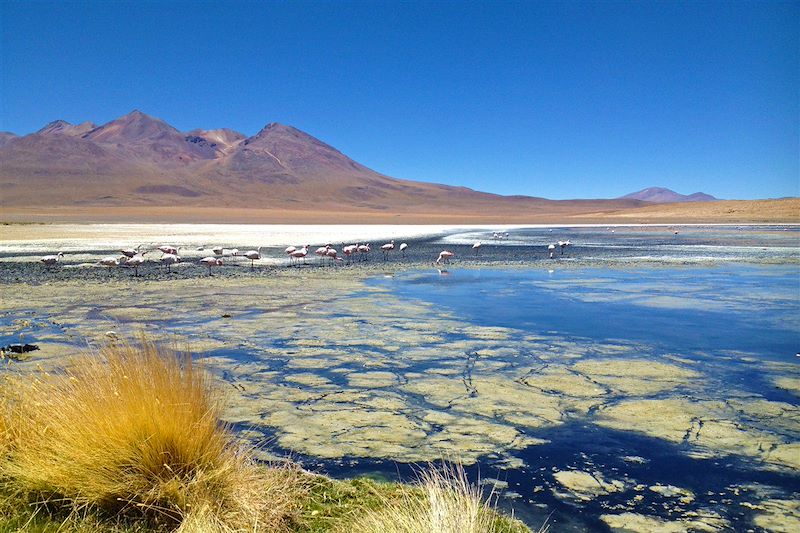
<point x="640" y="357"/>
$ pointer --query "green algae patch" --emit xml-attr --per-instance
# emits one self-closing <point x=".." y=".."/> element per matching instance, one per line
<point x="708" y="427"/>
<point x="791" y="384"/>
<point x="640" y="523"/>
<point x="585" y="486"/>
<point x="670" y="491"/>
<point x="780" y="516"/>
<point x="372" y="380"/>
<point x="636" y="377"/>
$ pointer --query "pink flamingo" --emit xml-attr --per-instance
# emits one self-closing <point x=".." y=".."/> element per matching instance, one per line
<point x="252" y="255"/>
<point x="477" y="247"/>
<point x="364" y="249"/>
<point x="50" y="260"/>
<point x="444" y="257"/>
<point x="130" y="252"/>
<point x="211" y="262"/>
<point x="322" y="252"/>
<point x="386" y="248"/>
<point x="112" y="261"/>
<point x="349" y="251"/>
<point x="169" y="260"/>
<point x="135" y="262"/>
<point x="167" y="249"/>
<point x="403" y="247"/>
<point x="288" y="251"/>
<point x="301" y="253"/>
<point x="333" y="255"/>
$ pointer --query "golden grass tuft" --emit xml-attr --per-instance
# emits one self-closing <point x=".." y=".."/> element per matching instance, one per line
<point x="445" y="502"/>
<point x="134" y="430"/>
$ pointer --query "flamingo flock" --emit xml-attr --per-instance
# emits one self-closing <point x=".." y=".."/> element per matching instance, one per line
<point x="328" y="255"/>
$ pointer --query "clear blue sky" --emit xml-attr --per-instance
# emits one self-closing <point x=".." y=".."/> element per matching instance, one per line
<point x="554" y="99"/>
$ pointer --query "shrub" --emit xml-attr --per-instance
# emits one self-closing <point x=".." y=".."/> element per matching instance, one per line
<point x="444" y="502"/>
<point x="134" y="430"/>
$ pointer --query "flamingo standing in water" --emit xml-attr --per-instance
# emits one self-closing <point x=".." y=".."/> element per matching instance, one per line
<point x="211" y="262"/>
<point x="403" y="247"/>
<point x="477" y="247"/>
<point x="301" y="253"/>
<point x="50" y="260"/>
<point x="349" y="251"/>
<point x="551" y="248"/>
<point x="167" y="249"/>
<point x="333" y="255"/>
<point x="169" y="260"/>
<point x="564" y="244"/>
<point x="444" y="257"/>
<point x="288" y="251"/>
<point x="135" y="262"/>
<point x="130" y="252"/>
<point x="322" y="252"/>
<point x="364" y="249"/>
<point x="386" y="248"/>
<point x="252" y="255"/>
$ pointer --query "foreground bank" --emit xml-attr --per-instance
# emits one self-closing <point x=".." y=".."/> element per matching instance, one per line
<point x="130" y="439"/>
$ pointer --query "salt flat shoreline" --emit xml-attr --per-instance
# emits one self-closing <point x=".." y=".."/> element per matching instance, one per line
<point x="290" y="234"/>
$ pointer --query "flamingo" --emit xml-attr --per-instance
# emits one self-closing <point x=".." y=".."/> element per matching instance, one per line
<point x="288" y="251"/>
<point x="301" y="253"/>
<point x="50" y="260"/>
<point x="211" y="262"/>
<point x="134" y="262"/>
<point x="444" y="257"/>
<point x="169" y="260"/>
<point x="333" y="255"/>
<point x="167" y="249"/>
<point x="551" y="248"/>
<point x="130" y="252"/>
<point x="386" y="248"/>
<point x="477" y="247"/>
<point x="364" y="249"/>
<point x="403" y="247"/>
<point x="219" y="250"/>
<point x="322" y="252"/>
<point x="349" y="250"/>
<point x="252" y="255"/>
<point x="564" y="244"/>
<point x="112" y="261"/>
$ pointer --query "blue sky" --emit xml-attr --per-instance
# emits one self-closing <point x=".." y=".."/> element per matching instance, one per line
<point x="554" y="99"/>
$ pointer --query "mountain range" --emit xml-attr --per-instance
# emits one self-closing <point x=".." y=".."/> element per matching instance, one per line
<point x="660" y="195"/>
<point x="140" y="160"/>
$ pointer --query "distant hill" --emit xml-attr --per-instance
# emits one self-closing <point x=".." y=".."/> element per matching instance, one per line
<point x="140" y="160"/>
<point x="660" y="195"/>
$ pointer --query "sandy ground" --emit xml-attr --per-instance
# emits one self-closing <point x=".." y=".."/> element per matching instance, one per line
<point x="733" y="211"/>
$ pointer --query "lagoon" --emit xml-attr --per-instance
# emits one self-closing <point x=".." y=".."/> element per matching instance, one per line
<point x="644" y="380"/>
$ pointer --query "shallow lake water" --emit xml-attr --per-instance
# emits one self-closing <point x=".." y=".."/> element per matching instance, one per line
<point x="643" y="381"/>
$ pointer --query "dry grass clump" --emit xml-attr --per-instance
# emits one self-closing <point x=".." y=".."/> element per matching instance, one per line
<point x="445" y="502"/>
<point x="135" y="430"/>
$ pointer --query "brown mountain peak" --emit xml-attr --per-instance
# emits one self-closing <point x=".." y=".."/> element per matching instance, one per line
<point x="56" y="126"/>
<point x="134" y="126"/>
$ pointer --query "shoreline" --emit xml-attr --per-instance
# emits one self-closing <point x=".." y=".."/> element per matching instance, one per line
<point x="23" y="231"/>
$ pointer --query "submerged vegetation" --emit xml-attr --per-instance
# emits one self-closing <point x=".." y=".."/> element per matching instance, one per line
<point x="130" y="439"/>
